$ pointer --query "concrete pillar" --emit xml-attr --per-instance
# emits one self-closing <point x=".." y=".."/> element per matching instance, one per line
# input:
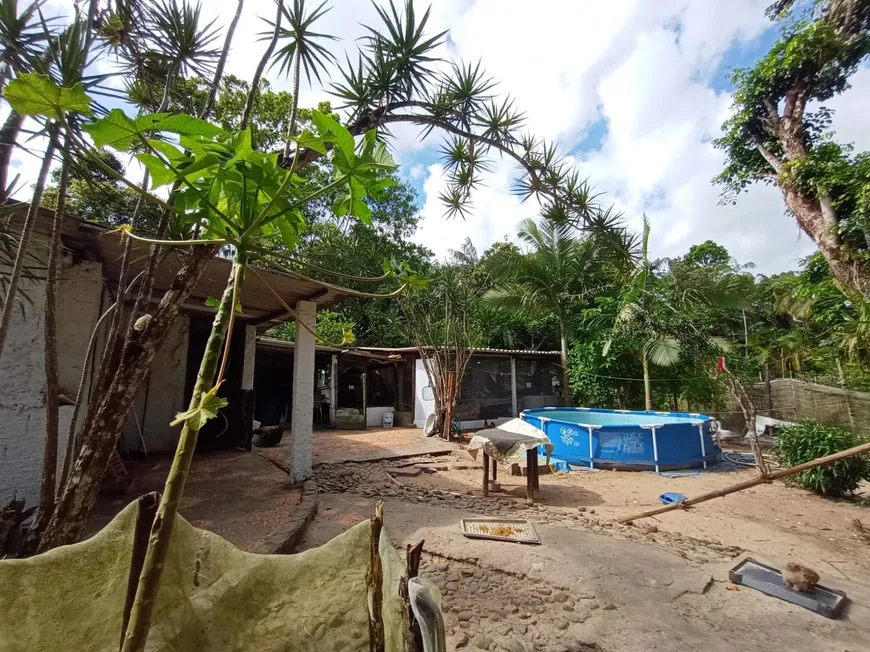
<point x="333" y="389"/>
<point x="250" y="357"/>
<point x="514" y="386"/>
<point x="302" y="419"/>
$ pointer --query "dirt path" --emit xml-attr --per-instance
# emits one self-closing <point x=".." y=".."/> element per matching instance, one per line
<point x="660" y="584"/>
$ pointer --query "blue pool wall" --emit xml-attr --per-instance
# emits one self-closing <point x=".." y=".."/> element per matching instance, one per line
<point x="620" y="442"/>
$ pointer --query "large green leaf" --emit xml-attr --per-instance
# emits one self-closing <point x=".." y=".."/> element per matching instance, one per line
<point x="119" y="131"/>
<point x="35" y="94"/>
<point x="115" y="130"/>
<point x="288" y="234"/>
<point x="178" y="123"/>
<point x="328" y="126"/>
<point x="161" y="174"/>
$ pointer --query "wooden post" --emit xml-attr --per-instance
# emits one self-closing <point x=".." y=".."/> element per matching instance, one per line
<point x="485" y="474"/>
<point x="531" y="463"/>
<point x="782" y="473"/>
<point x="494" y="470"/>
<point x="448" y="404"/>
<point x="514" y="402"/>
<point x="768" y="390"/>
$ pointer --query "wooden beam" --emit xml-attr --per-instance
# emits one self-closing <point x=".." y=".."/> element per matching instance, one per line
<point x="782" y="473"/>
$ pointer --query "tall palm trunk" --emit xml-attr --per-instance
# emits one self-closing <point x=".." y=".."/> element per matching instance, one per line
<point x="566" y="386"/>
<point x="49" y="458"/>
<point x="26" y="234"/>
<point x="647" y="391"/>
<point x="294" y="106"/>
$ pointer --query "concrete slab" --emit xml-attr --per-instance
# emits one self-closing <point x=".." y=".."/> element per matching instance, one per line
<point x="625" y="596"/>
<point x="369" y="445"/>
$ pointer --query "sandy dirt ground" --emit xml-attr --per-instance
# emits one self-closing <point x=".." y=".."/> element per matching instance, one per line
<point x="659" y="584"/>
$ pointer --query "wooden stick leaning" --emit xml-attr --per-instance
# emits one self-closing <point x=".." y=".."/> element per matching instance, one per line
<point x="782" y="473"/>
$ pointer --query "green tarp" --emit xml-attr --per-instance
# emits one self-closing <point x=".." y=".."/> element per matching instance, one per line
<point x="212" y="597"/>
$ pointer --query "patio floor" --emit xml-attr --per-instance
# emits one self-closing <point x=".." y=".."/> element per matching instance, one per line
<point x="336" y="446"/>
<point x="241" y="496"/>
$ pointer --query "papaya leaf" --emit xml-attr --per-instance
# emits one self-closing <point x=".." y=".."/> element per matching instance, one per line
<point x="326" y="124"/>
<point x="35" y="94"/>
<point x="116" y="130"/>
<point x="161" y="174"/>
<point x="309" y="140"/>
<point x="288" y="234"/>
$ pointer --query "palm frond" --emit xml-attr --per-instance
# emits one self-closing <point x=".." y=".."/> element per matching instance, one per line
<point x="301" y="40"/>
<point x="663" y="351"/>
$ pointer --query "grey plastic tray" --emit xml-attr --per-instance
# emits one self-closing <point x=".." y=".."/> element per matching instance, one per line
<point x="768" y="580"/>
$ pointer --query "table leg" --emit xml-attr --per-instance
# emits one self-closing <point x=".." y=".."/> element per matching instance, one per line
<point x="530" y="476"/>
<point x="485" y="474"/>
<point x="494" y="470"/>
<point x="537" y="471"/>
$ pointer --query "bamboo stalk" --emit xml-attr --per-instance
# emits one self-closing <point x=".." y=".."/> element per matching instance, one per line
<point x="164" y="522"/>
<point x="740" y="486"/>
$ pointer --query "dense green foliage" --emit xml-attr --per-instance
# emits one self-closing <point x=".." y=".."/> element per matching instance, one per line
<point x="779" y="131"/>
<point x="808" y="440"/>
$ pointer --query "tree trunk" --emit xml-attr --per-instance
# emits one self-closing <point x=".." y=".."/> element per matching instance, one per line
<point x="26" y="234"/>
<point x="294" y="106"/>
<point x="647" y="391"/>
<point x="8" y="137"/>
<point x="258" y="73"/>
<point x="748" y="408"/>
<point x="566" y="376"/>
<point x="101" y="429"/>
<point x="49" y="458"/>
<point x="164" y="521"/>
<point x="222" y="62"/>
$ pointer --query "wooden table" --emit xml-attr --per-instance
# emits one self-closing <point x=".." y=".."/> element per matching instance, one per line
<point x="531" y="474"/>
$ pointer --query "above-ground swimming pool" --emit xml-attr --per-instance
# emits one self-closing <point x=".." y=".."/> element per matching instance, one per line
<point x="621" y="439"/>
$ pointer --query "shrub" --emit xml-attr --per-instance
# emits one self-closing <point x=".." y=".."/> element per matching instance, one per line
<point x="807" y="440"/>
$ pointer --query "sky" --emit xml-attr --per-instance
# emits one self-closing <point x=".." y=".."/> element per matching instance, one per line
<point x="632" y="91"/>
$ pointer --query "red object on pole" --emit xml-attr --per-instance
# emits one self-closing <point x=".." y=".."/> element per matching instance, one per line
<point x="720" y="363"/>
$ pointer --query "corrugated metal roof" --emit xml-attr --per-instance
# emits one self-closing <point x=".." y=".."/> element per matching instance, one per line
<point x="412" y="349"/>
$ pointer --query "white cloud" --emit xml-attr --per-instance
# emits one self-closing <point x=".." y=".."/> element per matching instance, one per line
<point x="493" y="215"/>
<point x="645" y="68"/>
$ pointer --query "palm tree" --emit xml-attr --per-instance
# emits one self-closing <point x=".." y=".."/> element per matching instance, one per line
<point x="559" y="273"/>
<point x="301" y="51"/>
<point x="640" y="315"/>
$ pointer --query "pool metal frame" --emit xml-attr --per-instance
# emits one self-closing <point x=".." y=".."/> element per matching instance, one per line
<point x="697" y="420"/>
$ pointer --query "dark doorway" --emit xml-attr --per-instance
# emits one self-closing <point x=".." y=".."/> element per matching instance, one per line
<point x="231" y="428"/>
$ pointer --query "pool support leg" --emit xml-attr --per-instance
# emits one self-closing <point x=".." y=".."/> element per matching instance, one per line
<point x="591" y="450"/>
<point x="703" y="446"/>
<point x="655" y="448"/>
<point x="494" y="470"/>
<point x="485" y="475"/>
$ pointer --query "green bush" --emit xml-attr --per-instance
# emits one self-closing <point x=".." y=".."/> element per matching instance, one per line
<point x="807" y="440"/>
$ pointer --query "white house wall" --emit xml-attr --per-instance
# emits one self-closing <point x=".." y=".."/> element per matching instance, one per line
<point x="22" y="369"/>
<point x="163" y="396"/>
